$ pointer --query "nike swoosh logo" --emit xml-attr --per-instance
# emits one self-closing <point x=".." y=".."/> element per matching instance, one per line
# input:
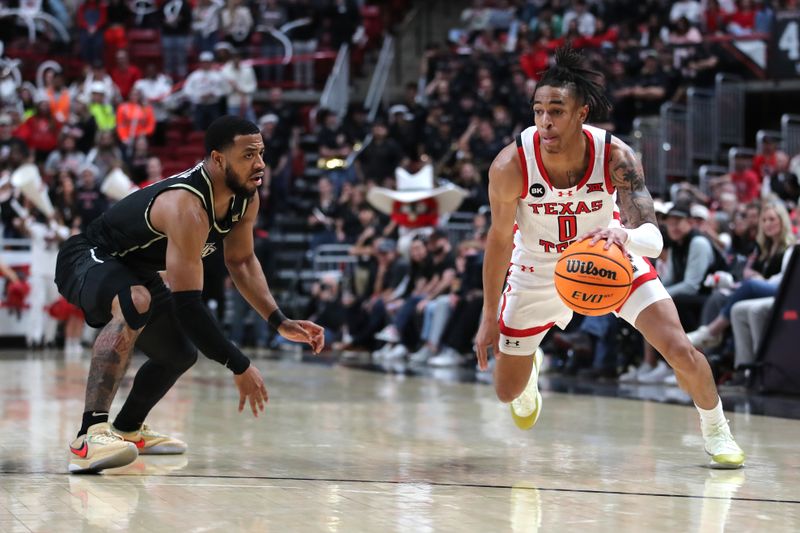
<point x="95" y="413"/>
<point x="82" y="451"/>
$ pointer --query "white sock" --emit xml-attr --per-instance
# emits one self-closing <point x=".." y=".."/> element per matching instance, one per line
<point x="711" y="417"/>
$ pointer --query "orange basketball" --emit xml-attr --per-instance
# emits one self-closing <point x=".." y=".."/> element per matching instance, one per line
<point x="593" y="281"/>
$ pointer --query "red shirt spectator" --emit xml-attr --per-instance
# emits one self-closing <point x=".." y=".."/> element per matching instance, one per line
<point x="92" y="15"/>
<point x="713" y="17"/>
<point x="40" y="131"/>
<point x="124" y="74"/>
<point x="745" y="15"/>
<point x="747" y="183"/>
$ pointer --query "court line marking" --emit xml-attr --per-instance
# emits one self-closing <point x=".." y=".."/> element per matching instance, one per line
<point x="431" y="483"/>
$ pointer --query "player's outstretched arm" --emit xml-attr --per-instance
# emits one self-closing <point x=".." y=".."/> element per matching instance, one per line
<point x="505" y="187"/>
<point x="641" y="234"/>
<point x="182" y="218"/>
<point x="248" y="276"/>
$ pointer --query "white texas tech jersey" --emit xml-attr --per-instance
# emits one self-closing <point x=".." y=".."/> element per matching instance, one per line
<point x="549" y="219"/>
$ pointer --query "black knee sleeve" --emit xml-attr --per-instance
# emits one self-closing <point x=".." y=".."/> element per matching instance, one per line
<point x="133" y="317"/>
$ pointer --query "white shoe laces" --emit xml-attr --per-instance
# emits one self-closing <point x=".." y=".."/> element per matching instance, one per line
<point x="105" y="437"/>
<point x="720" y="440"/>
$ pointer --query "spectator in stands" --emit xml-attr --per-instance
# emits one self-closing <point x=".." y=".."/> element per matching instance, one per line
<point x="176" y="28"/>
<point x="770" y="160"/>
<point x="304" y="42"/>
<point x="469" y="178"/>
<point x="286" y="113"/>
<point x="83" y="125"/>
<point x="135" y="118"/>
<point x="403" y="130"/>
<point x="744" y="178"/>
<point x="271" y="16"/>
<point x="155" y="172"/>
<point x="138" y="159"/>
<point x="40" y="132"/>
<point x="775" y="244"/>
<point x="341" y="18"/>
<point x="236" y="23"/>
<point x="90" y="202"/>
<point x="155" y="87"/>
<point x="276" y="157"/>
<point x="334" y="148"/>
<point x="205" y="25"/>
<point x="785" y="185"/>
<point x="65" y="157"/>
<point x="682" y="32"/>
<point x="326" y="307"/>
<point x="91" y="18"/>
<point x="765" y="17"/>
<point x="103" y="112"/>
<point x="10" y="144"/>
<point x="596" y="336"/>
<point x="124" y="74"/>
<point x="743" y="20"/>
<point x="65" y="200"/>
<point x="378" y="161"/>
<point x="95" y="77"/>
<point x="713" y="21"/>
<point x="59" y="97"/>
<point x="241" y="80"/>
<point x="749" y="322"/>
<point x="204" y="88"/>
<point x="322" y="217"/>
<point x="582" y="16"/>
<point x="106" y="154"/>
<point x="366" y="314"/>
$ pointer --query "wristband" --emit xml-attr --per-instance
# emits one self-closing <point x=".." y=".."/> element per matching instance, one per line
<point x="276" y="319"/>
<point x="646" y="240"/>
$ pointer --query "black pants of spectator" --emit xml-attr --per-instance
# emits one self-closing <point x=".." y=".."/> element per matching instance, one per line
<point x="690" y="307"/>
<point x="363" y="323"/>
<point x="463" y="325"/>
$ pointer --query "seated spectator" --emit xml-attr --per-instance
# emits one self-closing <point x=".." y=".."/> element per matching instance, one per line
<point x="334" y="148"/>
<point x="100" y="109"/>
<point x="322" y="219"/>
<point x="241" y="80"/>
<point x="770" y="160"/>
<point x="378" y="161"/>
<point x="106" y="154"/>
<point x="155" y="87"/>
<point x="582" y="16"/>
<point x="10" y="144"/>
<point x="775" y="244"/>
<point x="469" y="179"/>
<point x="90" y="202"/>
<point x="713" y="18"/>
<point x="59" y="97"/>
<point x="749" y="321"/>
<point x="682" y="32"/>
<point x="65" y="157"/>
<point x="40" y="131"/>
<point x="744" y="178"/>
<point x="204" y="88"/>
<point x="154" y="173"/>
<point x="326" y="308"/>
<point x="743" y="20"/>
<point x="83" y="126"/>
<point x="137" y="160"/>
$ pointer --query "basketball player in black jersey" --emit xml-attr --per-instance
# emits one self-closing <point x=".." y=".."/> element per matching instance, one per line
<point x="112" y="273"/>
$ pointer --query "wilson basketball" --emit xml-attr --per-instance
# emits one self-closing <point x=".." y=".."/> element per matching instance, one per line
<point x="593" y="281"/>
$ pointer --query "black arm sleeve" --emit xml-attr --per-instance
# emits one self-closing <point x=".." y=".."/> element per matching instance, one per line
<point x="204" y="331"/>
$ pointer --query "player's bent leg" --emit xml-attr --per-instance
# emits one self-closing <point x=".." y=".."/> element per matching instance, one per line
<point x="170" y="354"/>
<point x="516" y="378"/>
<point x="660" y="325"/>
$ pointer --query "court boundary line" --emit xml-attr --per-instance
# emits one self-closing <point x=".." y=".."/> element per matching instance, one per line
<point x="432" y="483"/>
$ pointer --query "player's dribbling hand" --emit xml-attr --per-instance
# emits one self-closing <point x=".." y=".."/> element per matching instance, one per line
<point x="611" y="235"/>
<point x="251" y="387"/>
<point x="488" y="335"/>
<point x="304" y="331"/>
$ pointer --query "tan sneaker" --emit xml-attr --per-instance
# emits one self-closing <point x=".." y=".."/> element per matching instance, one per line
<point x="99" y="449"/>
<point x="150" y="442"/>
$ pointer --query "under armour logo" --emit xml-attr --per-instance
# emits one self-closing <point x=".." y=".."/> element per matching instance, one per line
<point x="524" y="268"/>
<point x="509" y="342"/>
<point x="594" y="187"/>
<point x="568" y="193"/>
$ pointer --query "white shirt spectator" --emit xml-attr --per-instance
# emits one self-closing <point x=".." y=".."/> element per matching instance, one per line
<point x="690" y="9"/>
<point x="205" y="86"/>
<point x="237" y="22"/>
<point x="205" y="18"/>
<point x="242" y="82"/>
<point x="155" y="91"/>
<point x="586" y="22"/>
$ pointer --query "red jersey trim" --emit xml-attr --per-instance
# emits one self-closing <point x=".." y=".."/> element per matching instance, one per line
<point x="543" y="171"/>
<point x="607" y="166"/>
<point x="523" y="161"/>
<point x="641" y="280"/>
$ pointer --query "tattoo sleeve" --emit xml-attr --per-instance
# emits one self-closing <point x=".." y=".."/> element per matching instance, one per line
<point x="110" y="358"/>
<point x="628" y="178"/>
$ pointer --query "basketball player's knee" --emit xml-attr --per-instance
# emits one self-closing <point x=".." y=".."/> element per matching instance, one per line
<point x="134" y="303"/>
<point x="508" y="391"/>
<point x="683" y="357"/>
<point x="183" y="360"/>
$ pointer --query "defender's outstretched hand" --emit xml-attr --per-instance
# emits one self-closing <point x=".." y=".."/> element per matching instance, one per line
<point x="304" y="331"/>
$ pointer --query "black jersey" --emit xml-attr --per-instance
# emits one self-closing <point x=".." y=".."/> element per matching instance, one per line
<point x="125" y="231"/>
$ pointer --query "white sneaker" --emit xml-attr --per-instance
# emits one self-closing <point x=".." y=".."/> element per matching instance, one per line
<point x="397" y="352"/>
<point x="657" y="375"/>
<point x="448" y="357"/>
<point x="633" y="374"/>
<point x="380" y="353"/>
<point x="671" y="380"/>
<point x="421" y="355"/>
<point x="98" y="449"/>
<point x="526" y="408"/>
<point x="388" y="334"/>
<point x="724" y="451"/>
<point x="702" y="338"/>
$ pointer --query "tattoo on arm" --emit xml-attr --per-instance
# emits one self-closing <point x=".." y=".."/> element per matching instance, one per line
<point x="110" y="358"/>
<point x="634" y="198"/>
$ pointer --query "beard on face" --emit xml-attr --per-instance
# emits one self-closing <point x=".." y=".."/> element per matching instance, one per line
<point x="233" y="182"/>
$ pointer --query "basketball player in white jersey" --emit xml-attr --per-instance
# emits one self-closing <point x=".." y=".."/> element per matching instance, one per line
<point x="560" y="182"/>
